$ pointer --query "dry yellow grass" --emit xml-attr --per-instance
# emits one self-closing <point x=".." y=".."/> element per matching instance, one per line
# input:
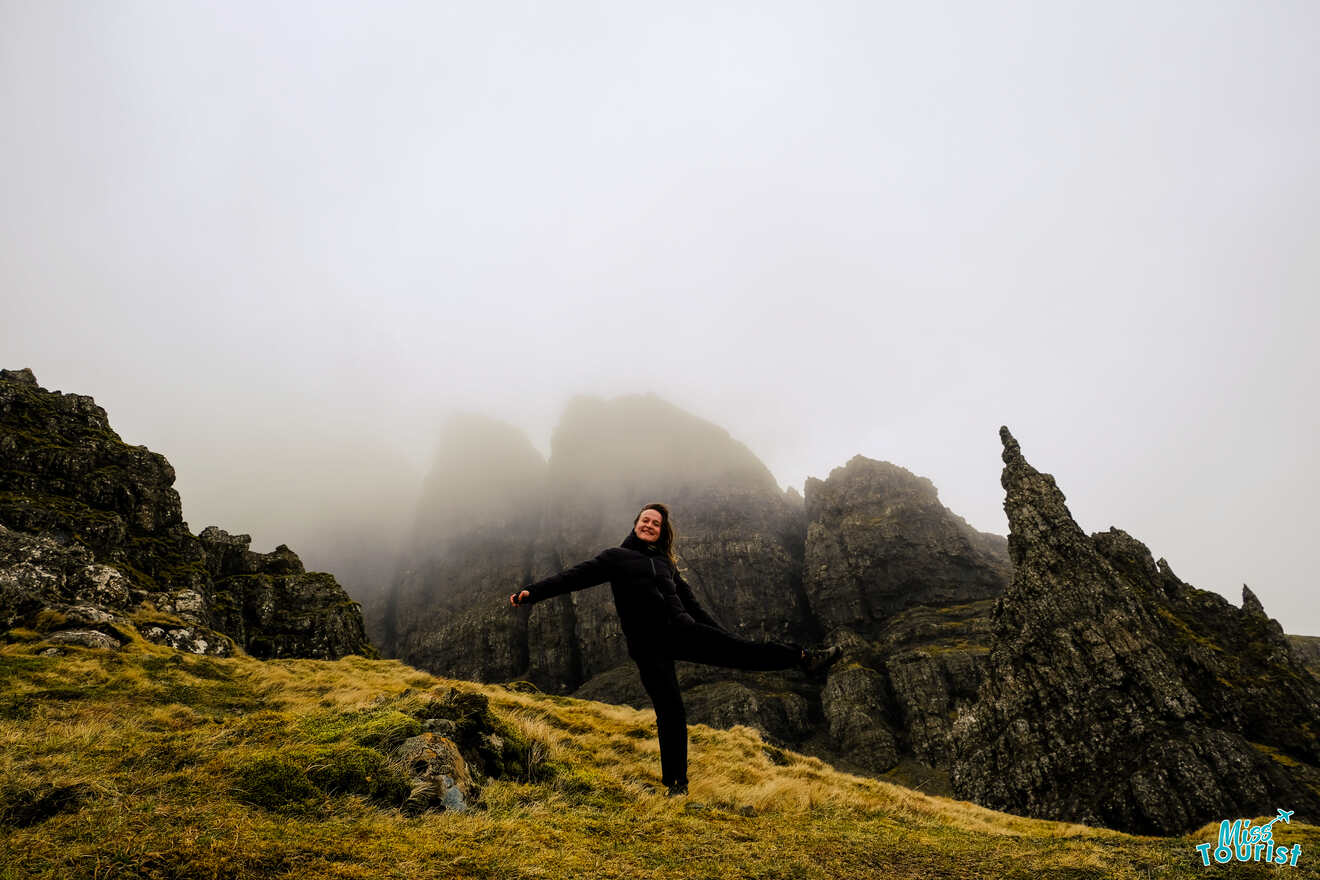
<point x="152" y="740"/>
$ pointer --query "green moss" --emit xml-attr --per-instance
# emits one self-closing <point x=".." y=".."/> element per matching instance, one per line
<point x="382" y="729"/>
<point x="276" y="782"/>
<point x="1183" y="631"/>
<point x="589" y="789"/>
<point x="19" y="669"/>
<point x="146" y="615"/>
<point x="204" y="667"/>
<point x="56" y="512"/>
<point x="1277" y="756"/>
<point x="196" y="682"/>
<point x="298" y="780"/>
<point x="356" y="770"/>
<point x="137" y="575"/>
<point x="388" y="731"/>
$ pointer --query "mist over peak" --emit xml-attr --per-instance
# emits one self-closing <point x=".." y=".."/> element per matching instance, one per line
<point x="643" y="440"/>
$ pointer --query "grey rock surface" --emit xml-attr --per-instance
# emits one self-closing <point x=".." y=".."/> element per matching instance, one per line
<point x="857" y="711"/>
<point x="1115" y="694"/>
<point x="87" y="638"/>
<point x="878" y="541"/>
<point x="437" y="774"/>
<point x="191" y="639"/>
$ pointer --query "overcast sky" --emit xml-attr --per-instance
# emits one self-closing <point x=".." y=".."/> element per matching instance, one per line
<point x="282" y="240"/>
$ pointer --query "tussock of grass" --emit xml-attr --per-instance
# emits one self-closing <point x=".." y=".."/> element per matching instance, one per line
<point x="153" y="764"/>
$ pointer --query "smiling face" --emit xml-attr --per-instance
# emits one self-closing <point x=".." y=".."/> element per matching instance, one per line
<point x="648" y="525"/>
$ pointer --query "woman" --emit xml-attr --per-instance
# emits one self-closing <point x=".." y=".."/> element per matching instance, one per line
<point x="662" y="622"/>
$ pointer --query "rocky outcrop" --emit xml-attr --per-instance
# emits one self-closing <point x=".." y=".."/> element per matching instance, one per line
<point x="879" y="541"/>
<point x="271" y="606"/>
<point x="92" y="538"/>
<point x="857" y="709"/>
<point x="463" y="746"/>
<point x="1115" y="694"/>
<point x="934" y="660"/>
<point x="905" y="586"/>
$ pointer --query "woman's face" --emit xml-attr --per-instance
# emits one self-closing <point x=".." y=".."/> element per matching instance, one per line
<point x="648" y="526"/>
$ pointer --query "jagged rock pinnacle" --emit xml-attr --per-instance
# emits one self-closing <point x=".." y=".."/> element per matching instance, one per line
<point x="1250" y="603"/>
<point x="1034" y="504"/>
<point x="1011" y="447"/>
<point x="1105" y="701"/>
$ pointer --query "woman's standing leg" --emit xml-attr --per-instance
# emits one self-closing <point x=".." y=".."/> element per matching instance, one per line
<point x="661" y="683"/>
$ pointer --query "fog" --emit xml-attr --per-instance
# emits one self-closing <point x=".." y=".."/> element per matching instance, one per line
<point x="282" y="243"/>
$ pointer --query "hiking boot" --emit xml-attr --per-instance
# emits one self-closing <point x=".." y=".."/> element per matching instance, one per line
<point x="818" y="660"/>
<point x="678" y="789"/>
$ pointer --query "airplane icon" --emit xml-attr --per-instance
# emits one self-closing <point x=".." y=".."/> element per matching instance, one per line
<point x="1285" y="815"/>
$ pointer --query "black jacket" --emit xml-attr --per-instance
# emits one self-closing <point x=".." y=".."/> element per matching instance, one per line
<point x="649" y="594"/>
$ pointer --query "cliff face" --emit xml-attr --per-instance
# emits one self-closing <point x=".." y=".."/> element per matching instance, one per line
<point x="879" y="541"/>
<point x="92" y="538"/>
<point x="1116" y="694"/>
<point x="903" y="584"/>
<point x="481" y="507"/>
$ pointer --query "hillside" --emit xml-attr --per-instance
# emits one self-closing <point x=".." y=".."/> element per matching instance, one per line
<point x="154" y="763"/>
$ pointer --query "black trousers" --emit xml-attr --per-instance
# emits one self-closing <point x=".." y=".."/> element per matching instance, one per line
<point x="699" y="644"/>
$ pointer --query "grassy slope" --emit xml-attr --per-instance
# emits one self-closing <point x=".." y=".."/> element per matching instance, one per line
<point x="157" y="743"/>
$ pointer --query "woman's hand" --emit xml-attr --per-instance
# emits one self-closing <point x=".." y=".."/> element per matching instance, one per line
<point x="518" y="598"/>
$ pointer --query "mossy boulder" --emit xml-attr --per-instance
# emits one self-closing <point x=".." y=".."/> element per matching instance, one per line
<point x="491" y="747"/>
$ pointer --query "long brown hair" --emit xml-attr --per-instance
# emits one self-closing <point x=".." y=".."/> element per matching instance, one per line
<point x="665" y="543"/>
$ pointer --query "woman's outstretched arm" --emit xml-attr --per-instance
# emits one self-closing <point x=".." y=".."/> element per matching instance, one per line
<point x="584" y="574"/>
